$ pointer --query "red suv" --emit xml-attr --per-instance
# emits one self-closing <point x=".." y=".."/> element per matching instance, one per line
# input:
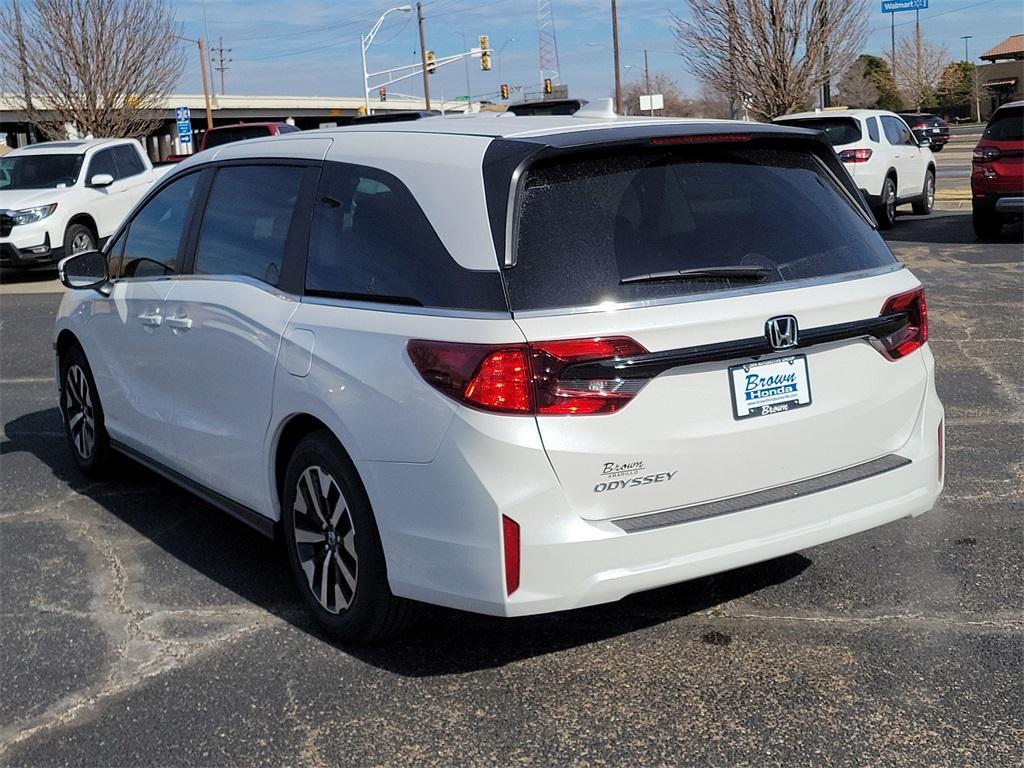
<point x="997" y="171"/>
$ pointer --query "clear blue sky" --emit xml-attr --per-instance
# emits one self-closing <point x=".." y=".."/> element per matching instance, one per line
<point x="311" y="47"/>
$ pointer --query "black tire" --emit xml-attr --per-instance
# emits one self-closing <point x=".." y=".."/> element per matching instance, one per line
<point x="924" y="206"/>
<point x="82" y="413"/>
<point x="338" y="550"/>
<point x="987" y="224"/>
<point x="886" y="212"/>
<point x="78" y="238"/>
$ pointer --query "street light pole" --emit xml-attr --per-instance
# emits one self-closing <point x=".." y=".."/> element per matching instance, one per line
<point x="365" y="41"/>
<point x="202" y="68"/>
<point x="498" y="56"/>
<point x="615" y="57"/>
<point x="647" y="79"/>
<point x="465" y="60"/>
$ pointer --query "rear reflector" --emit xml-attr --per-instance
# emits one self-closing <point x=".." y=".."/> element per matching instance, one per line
<point x="527" y="379"/>
<point x="708" y="138"/>
<point x="942" y="450"/>
<point x="855" y="155"/>
<point x="914" y="332"/>
<point x="510" y="544"/>
<point x="985" y="154"/>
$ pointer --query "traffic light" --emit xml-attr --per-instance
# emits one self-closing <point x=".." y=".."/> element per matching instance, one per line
<point x="548" y="88"/>
<point x="504" y="91"/>
<point x="382" y="93"/>
<point x="431" y="66"/>
<point x="485" y="55"/>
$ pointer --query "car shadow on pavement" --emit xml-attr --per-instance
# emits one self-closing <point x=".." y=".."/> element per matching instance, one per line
<point x="950" y="229"/>
<point x="217" y="548"/>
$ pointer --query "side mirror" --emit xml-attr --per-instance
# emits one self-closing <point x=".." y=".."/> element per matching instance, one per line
<point x="101" y="180"/>
<point x="83" y="270"/>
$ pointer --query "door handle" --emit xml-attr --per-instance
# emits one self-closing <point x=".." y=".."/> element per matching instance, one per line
<point x="179" y="323"/>
<point x="152" y="320"/>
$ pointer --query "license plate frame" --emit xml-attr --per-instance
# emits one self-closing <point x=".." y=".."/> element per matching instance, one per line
<point x="780" y="397"/>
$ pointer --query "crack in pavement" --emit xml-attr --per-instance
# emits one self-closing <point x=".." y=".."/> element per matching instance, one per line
<point x="1012" y="625"/>
<point x="310" y="752"/>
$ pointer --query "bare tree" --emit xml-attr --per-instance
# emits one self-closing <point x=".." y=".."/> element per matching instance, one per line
<point x="769" y="54"/>
<point x="857" y="89"/>
<point x="919" y="65"/>
<point x="676" y="103"/>
<point x="103" y="66"/>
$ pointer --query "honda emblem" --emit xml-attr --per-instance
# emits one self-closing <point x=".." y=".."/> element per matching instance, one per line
<point x="781" y="332"/>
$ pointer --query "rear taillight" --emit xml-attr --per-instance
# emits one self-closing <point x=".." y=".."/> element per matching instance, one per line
<point x="985" y="154"/>
<point x="510" y="545"/>
<point x="855" y="155"/>
<point x="527" y="378"/>
<point x="913" y="332"/>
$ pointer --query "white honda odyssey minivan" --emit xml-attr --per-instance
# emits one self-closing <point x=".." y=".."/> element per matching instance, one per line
<point x="510" y="364"/>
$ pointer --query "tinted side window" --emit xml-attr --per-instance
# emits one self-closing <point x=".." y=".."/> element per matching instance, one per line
<point x="873" y="128"/>
<point x="154" y="235"/>
<point x="246" y="223"/>
<point x="371" y="241"/>
<point x="129" y="163"/>
<point x="102" y="162"/>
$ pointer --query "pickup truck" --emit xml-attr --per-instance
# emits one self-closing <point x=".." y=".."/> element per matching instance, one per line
<point x="59" y="198"/>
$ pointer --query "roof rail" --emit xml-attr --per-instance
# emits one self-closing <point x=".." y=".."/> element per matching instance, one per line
<point x="394" y="117"/>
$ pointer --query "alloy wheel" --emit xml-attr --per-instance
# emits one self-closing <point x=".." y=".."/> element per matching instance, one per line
<point x="79" y="412"/>
<point x="325" y="539"/>
<point x="930" y="191"/>
<point x="81" y="243"/>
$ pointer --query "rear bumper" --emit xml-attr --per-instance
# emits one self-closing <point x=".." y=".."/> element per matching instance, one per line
<point x="1010" y="205"/>
<point x="446" y="548"/>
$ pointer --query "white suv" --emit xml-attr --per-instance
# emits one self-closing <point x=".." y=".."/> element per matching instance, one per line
<point x="510" y="364"/>
<point x="882" y="154"/>
<point x="64" y="197"/>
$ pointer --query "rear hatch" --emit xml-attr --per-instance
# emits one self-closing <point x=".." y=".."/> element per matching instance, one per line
<point x="698" y="405"/>
<point x="1000" y="153"/>
<point x="844" y="133"/>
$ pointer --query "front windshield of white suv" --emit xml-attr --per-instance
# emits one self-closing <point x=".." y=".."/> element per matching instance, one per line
<point x="40" y="171"/>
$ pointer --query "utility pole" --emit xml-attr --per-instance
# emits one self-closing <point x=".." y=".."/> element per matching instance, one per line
<point x="917" y="58"/>
<point x="23" y="71"/>
<point x="222" y="63"/>
<point x="423" y="57"/>
<point x="892" y="43"/>
<point x="647" y="79"/>
<point x="826" y="84"/>
<point x="615" y="57"/>
<point x="974" y="72"/>
<point x="206" y="83"/>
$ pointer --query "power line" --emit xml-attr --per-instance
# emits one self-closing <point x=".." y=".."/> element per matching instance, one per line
<point x="222" y="63"/>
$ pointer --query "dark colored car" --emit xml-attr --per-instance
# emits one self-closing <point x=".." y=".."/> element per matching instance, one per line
<point x="997" y="171"/>
<point x="548" y="107"/>
<point x="225" y="134"/>
<point x="929" y="127"/>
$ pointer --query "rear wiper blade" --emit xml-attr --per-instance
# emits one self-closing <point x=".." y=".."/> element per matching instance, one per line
<point x="737" y="272"/>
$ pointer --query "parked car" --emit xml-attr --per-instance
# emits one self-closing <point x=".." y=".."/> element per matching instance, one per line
<point x="889" y="164"/>
<point x="225" y="134"/>
<point x="997" y="171"/>
<point x="615" y="354"/>
<point x="928" y="127"/>
<point x="65" y="197"/>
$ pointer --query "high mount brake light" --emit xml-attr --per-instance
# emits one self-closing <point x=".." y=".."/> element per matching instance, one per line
<point x="855" y="155"/>
<point x="526" y="379"/>
<point x="709" y="138"/>
<point x="911" y="335"/>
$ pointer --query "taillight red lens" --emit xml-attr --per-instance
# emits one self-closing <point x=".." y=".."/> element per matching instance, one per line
<point x="707" y="138"/>
<point x="528" y="378"/>
<point x="914" y="333"/>
<point x="855" y="155"/>
<point x="942" y="450"/>
<point x="502" y="383"/>
<point x="510" y="545"/>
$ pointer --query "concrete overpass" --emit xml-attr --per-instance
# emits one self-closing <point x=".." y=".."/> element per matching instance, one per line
<point x="305" y="111"/>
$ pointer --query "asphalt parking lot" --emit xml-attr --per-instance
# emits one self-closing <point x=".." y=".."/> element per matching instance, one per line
<point x="139" y="626"/>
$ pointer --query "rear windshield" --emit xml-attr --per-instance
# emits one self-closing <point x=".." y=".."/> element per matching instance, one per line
<point x="219" y="136"/>
<point x="1006" y="125"/>
<point x="840" y="130"/>
<point x="600" y="228"/>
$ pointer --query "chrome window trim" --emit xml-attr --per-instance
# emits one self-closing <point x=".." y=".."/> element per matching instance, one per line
<point x="403" y="309"/>
<point x="511" y="209"/>
<point x="712" y="295"/>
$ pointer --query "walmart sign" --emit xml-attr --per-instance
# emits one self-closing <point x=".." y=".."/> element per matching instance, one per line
<point x="892" y="6"/>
